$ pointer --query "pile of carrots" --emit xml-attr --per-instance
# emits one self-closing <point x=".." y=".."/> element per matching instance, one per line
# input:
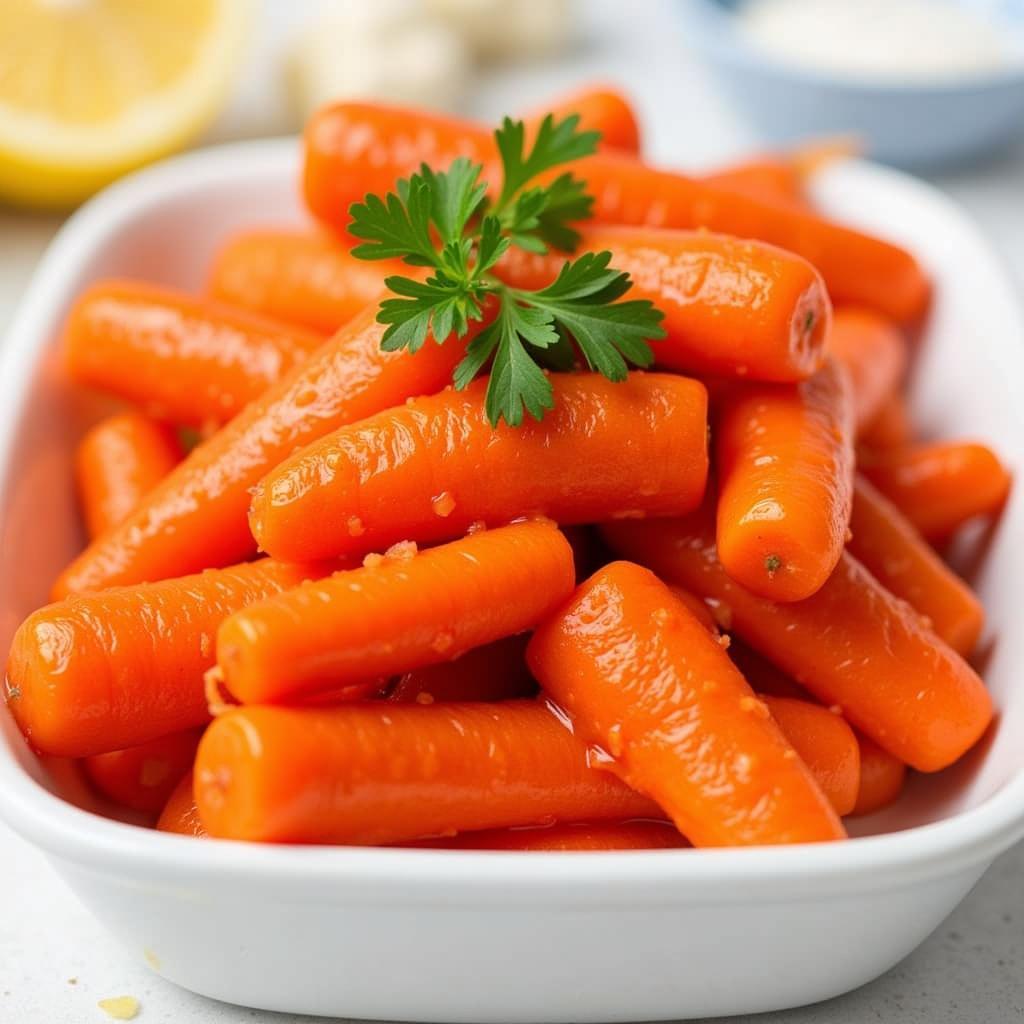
<point x="706" y="606"/>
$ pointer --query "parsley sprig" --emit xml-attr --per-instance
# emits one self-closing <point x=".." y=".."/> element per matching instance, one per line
<point x="444" y="221"/>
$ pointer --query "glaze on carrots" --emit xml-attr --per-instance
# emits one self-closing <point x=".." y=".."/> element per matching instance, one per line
<point x="640" y="678"/>
<point x="853" y="645"/>
<point x="182" y="358"/>
<point x="368" y="774"/>
<point x="396" y="613"/>
<point x="785" y="457"/>
<point x="180" y="814"/>
<point x="881" y="778"/>
<point x="430" y="469"/>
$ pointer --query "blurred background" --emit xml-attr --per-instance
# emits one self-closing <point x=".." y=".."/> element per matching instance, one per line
<point x="90" y="89"/>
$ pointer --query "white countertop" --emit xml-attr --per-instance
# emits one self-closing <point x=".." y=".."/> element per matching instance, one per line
<point x="56" y="961"/>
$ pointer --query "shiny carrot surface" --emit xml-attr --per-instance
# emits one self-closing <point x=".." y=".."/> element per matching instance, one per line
<point x="103" y="671"/>
<point x="397" y="613"/>
<point x="852" y="645"/>
<point x="180" y="814"/>
<point x="196" y="518"/>
<point x="785" y="459"/>
<point x="370" y="773"/>
<point x="117" y="463"/>
<point x="430" y="469"/>
<point x="182" y="358"/>
<point x="733" y="308"/>
<point x="600" y="108"/>
<point x="641" y="679"/>
<point x="881" y="777"/>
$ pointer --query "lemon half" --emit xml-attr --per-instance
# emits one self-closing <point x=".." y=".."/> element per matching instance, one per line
<point x="90" y="89"/>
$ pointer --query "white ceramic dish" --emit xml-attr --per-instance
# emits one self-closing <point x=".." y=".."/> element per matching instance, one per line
<point x="426" y="935"/>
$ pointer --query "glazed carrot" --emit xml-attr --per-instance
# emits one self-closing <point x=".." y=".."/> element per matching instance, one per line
<point x="117" y="463"/>
<point x="185" y="359"/>
<point x="103" y="671"/>
<point x="297" y="276"/>
<point x="601" y="108"/>
<point x="355" y="148"/>
<point x="428" y="470"/>
<point x="825" y="743"/>
<point x="891" y="427"/>
<point x="570" y="838"/>
<point x="496" y="671"/>
<point x="890" y="547"/>
<point x="144" y="777"/>
<point x="881" y="777"/>
<point x="770" y="179"/>
<point x="641" y="679"/>
<point x="732" y="308"/>
<point x="395" y="613"/>
<point x="762" y="675"/>
<point x="785" y="469"/>
<point x="874" y="353"/>
<point x="941" y="486"/>
<point x="180" y="814"/>
<point x="697" y="608"/>
<point x="367" y="774"/>
<point x="852" y="644"/>
<point x="196" y="518"/>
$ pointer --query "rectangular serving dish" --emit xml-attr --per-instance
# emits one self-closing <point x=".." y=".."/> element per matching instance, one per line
<point x="425" y="935"/>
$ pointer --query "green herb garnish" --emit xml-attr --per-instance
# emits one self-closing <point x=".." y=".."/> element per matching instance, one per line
<point x="444" y="220"/>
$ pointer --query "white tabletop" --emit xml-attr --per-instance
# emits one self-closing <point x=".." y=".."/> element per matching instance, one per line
<point x="56" y="961"/>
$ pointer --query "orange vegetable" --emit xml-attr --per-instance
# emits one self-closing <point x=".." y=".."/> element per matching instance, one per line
<point x="941" y="486"/>
<point x="732" y="308"/>
<point x="697" y="608"/>
<point x="119" y="461"/>
<point x="643" y="681"/>
<point x="825" y="743"/>
<point x="891" y="548"/>
<point x="601" y="108"/>
<point x="428" y="470"/>
<point x="853" y="644"/>
<point x="396" y="613"/>
<point x="891" y="427"/>
<point x="185" y="359"/>
<point x="355" y="148"/>
<point x="297" y="276"/>
<point x="144" y="777"/>
<point x="570" y="838"/>
<point x="366" y="774"/>
<point x="762" y="675"/>
<point x="196" y="518"/>
<point x="103" y="671"/>
<point x="496" y="671"/>
<point x="881" y="777"/>
<point x="770" y="179"/>
<point x="181" y="814"/>
<point x="875" y="353"/>
<point x="785" y="469"/>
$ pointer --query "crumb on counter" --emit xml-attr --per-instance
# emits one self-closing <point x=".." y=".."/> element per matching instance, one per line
<point x="120" y="1007"/>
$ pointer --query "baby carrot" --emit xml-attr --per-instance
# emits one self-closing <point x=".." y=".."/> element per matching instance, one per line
<point x="496" y="671"/>
<point x="196" y="518"/>
<point x="144" y="777"/>
<point x="785" y="459"/>
<point x="297" y="276"/>
<point x="874" y="353"/>
<point x="601" y="108"/>
<point x="853" y="644"/>
<point x="355" y="148"/>
<point x="941" y="486"/>
<point x="185" y="359"/>
<point x="881" y="777"/>
<point x="891" y="427"/>
<point x="428" y="470"/>
<point x="762" y="675"/>
<point x="732" y="308"/>
<point x="825" y="743"/>
<point x="570" y="838"/>
<point x="396" y="613"/>
<point x="113" y="669"/>
<point x="118" y="462"/>
<point x="180" y="814"/>
<point x="902" y="560"/>
<point x="643" y="681"/>
<point x="771" y="179"/>
<point x="367" y="774"/>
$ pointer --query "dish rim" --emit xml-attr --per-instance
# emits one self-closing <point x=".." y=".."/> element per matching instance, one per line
<point x="965" y="839"/>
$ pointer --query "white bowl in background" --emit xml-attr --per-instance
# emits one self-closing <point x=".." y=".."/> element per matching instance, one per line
<point x="426" y="935"/>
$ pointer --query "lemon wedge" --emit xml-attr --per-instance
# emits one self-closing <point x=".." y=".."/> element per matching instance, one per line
<point x="90" y="89"/>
